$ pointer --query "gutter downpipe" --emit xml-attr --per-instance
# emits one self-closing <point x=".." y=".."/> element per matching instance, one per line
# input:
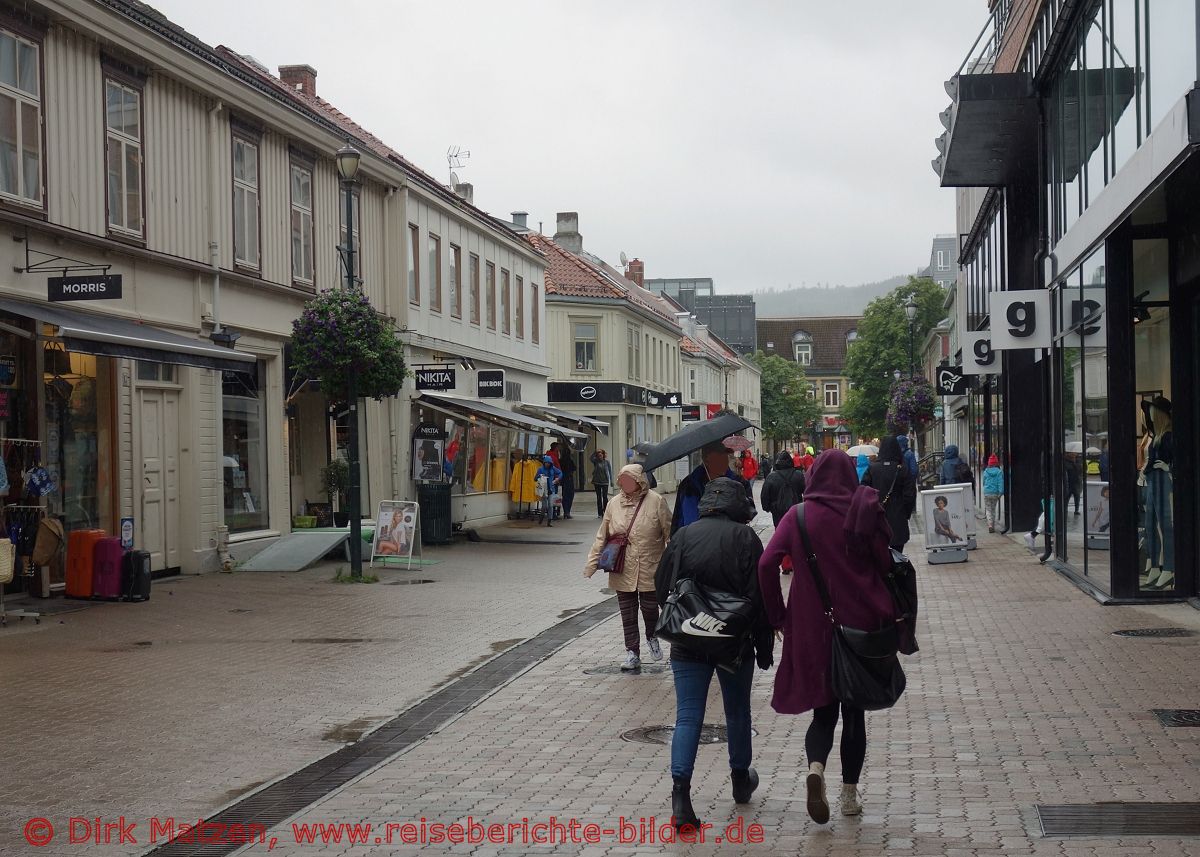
<point x="224" y="559"/>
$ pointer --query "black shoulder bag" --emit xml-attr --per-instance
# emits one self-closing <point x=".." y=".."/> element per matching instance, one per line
<point x="707" y="621"/>
<point x="865" y="670"/>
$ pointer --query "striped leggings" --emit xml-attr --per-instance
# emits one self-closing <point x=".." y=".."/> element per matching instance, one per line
<point x="628" y="602"/>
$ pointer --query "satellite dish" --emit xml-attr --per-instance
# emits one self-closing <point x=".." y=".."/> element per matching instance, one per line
<point x="624" y="259"/>
<point x="453" y="179"/>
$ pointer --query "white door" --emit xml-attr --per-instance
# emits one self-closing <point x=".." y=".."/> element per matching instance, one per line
<point x="157" y="458"/>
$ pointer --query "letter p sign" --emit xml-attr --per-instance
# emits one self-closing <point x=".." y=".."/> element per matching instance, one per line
<point x="1020" y="320"/>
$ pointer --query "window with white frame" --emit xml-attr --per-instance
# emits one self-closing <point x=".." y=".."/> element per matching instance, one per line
<point x="356" y="230"/>
<point x="452" y="280"/>
<point x="302" y="224"/>
<point x="20" y="119"/>
<point x="123" y="127"/>
<point x="245" y="202"/>
<point x="943" y="260"/>
<point x="802" y="347"/>
<point x="811" y="392"/>
<point x="435" y="273"/>
<point x="634" y="346"/>
<point x="474" y="283"/>
<point x="489" y="273"/>
<point x="535" y="322"/>
<point x="520" y="314"/>
<point x="505" y="302"/>
<point x="692" y="385"/>
<point x="833" y="394"/>
<point x="586" y="340"/>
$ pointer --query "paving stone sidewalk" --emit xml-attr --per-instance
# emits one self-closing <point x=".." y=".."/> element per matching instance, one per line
<point x="225" y="681"/>
<point x="1020" y="696"/>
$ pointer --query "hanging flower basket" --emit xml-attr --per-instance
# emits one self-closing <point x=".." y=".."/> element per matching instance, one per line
<point x="339" y="336"/>
<point x="911" y="404"/>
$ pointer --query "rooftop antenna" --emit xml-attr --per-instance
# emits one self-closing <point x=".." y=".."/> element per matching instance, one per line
<point x="624" y="260"/>
<point x="455" y="155"/>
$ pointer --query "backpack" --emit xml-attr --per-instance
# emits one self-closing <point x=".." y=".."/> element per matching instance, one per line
<point x="962" y="473"/>
<point x="786" y="498"/>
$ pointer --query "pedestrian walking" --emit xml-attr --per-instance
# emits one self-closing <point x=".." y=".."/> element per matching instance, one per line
<point x="718" y="553"/>
<point x="568" y="466"/>
<point x="993" y="490"/>
<point x="910" y="457"/>
<point x="714" y="462"/>
<point x="850" y="536"/>
<point x="897" y="489"/>
<point x="1073" y="479"/>
<point x="602" y="478"/>
<point x="642" y="518"/>
<point x="547" y="480"/>
<point x="861" y="463"/>
<point x="954" y="470"/>
<point x="749" y="466"/>
<point x="781" y="491"/>
<point x="806" y="460"/>
<point x="764" y="465"/>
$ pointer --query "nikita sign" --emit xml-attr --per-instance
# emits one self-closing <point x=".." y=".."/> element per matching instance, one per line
<point x="440" y="380"/>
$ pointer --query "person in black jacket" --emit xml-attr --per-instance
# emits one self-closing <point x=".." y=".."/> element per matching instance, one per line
<point x="784" y="488"/>
<point x="897" y="489"/>
<point x="719" y="552"/>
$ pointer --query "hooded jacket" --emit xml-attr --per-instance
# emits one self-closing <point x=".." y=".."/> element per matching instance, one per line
<point x="946" y="474"/>
<point x="897" y="489"/>
<point x="993" y="481"/>
<point x="910" y="457"/>
<point x="785" y="475"/>
<point x="719" y="552"/>
<point x="647" y="541"/>
<point x="687" y="497"/>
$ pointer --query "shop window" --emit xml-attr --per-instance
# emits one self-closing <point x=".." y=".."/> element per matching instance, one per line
<point x="455" y="463"/>
<point x="500" y="459"/>
<point x="477" y="458"/>
<point x="78" y="438"/>
<point x="244" y="450"/>
<point x="20" y="119"/>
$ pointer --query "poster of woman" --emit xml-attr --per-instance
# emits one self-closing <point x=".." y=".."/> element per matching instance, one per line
<point x="395" y="530"/>
<point x="944" y="515"/>
<point x="427" y="459"/>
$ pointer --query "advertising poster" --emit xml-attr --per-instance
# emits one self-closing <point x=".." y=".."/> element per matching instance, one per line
<point x="395" y="530"/>
<point x="944" y="516"/>
<point x="427" y="459"/>
<point x="970" y="529"/>
<point x="1096" y="501"/>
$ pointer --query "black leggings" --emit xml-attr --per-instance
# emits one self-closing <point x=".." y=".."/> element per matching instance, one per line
<point x="819" y="741"/>
<point x="601" y="498"/>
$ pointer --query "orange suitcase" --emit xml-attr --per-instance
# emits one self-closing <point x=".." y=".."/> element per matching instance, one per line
<point x="81" y="551"/>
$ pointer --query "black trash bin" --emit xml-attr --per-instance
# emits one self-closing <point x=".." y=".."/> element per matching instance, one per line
<point x="434" y="499"/>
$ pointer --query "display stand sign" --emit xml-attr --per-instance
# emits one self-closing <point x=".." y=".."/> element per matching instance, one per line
<point x="944" y="517"/>
<point x="970" y="522"/>
<point x="396" y="532"/>
<point x="429" y="448"/>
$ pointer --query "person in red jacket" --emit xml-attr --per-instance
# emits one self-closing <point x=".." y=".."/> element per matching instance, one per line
<point x="749" y="466"/>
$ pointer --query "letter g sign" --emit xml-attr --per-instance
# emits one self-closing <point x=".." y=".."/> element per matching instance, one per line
<point x="1020" y="319"/>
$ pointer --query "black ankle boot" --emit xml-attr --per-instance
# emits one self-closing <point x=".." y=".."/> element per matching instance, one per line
<point x="681" y="804"/>
<point x="744" y="784"/>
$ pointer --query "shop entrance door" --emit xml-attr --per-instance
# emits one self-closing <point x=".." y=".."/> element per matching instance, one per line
<point x="156" y="446"/>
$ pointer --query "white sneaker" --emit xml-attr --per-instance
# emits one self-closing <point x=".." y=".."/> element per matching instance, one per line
<point x="818" y="805"/>
<point x="632" y="661"/>
<point x="851" y="801"/>
<point x="655" y="650"/>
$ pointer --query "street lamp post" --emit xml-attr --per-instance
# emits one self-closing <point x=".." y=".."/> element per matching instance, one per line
<point x="347" y="164"/>
<point x="910" y="310"/>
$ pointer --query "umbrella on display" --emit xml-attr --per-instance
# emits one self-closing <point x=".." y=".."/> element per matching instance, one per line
<point x="862" y="449"/>
<point x="694" y="436"/>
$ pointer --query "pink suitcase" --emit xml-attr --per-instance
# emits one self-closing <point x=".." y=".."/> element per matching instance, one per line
<point x="106" y="569"/>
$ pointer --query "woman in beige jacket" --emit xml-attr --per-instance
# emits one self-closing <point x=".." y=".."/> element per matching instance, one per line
<point x="635" y="583"/>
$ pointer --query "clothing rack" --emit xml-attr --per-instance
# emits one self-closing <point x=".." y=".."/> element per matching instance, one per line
<point x="20" y="440"/>
<point x="20" y="612"/>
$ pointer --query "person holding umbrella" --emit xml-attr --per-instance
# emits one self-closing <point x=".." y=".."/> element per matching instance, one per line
<point x="714" y="463"/>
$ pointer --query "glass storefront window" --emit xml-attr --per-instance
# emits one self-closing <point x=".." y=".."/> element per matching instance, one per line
<point x="1153" y="394"/>
<point x="78" y="438"/>
<point x="477" y="458"/>
<point x="244" y="450"/>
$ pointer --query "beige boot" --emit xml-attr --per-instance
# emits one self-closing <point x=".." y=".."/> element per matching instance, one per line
<point x="851" y="801"/>
<point x="818" y="804"/>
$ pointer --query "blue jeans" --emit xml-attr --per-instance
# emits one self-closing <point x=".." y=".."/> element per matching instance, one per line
<point x="691" y="693"/>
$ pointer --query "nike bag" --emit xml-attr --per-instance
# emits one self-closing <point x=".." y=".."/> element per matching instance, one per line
<point x="706" y="621"/>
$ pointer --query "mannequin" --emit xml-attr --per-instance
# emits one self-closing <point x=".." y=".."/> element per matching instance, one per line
<point x="1160" y="523"/>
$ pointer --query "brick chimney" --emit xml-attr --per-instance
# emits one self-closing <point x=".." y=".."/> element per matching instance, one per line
<point x="636" y="271"/>
<point x="302" y="78"/>
<point x="567" y="235"/>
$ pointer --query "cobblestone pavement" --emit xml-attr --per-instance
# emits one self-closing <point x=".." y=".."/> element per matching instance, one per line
<point x="1020" y="696"/>
<point x="223" y="682"/>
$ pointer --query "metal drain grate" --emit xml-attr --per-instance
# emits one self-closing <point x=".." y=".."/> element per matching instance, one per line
<point x="1178" y="716"/>
<point x="709" y="734"/>
<point x="1156" y="632"/>
<point x="1120" y="819"/>
<point x="406" y="582"/>
<point x="614" y="669"/>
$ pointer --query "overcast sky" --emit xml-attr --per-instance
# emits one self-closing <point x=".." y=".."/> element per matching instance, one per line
<point x="759" y="143"/>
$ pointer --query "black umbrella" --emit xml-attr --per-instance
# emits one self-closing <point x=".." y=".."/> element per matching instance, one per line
<point x="694" y="436"/>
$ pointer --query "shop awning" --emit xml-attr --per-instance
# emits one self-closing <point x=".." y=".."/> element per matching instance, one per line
<point x="512" y="419"/>
<point x="557" y="415"/>
<point x="110" y="336"/>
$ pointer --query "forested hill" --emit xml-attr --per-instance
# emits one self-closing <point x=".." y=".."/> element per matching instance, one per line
<point x="822" y="300"/>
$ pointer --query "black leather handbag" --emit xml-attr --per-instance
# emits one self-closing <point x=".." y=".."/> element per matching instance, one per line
<point x="865" y="670"/>
<point x="707" y="621"/>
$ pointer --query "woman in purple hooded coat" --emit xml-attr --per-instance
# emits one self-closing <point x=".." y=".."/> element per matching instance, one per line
<point x="849" y="534"/>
